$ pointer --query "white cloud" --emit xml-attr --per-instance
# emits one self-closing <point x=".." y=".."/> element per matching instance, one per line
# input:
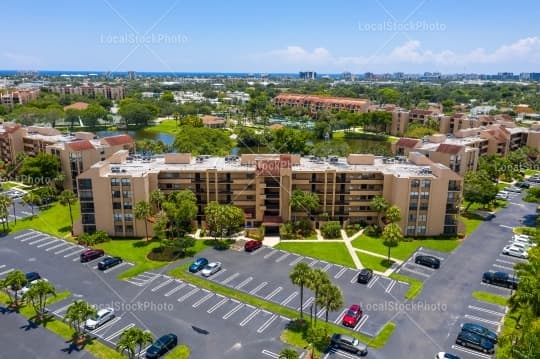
<point x="523" y="51"/>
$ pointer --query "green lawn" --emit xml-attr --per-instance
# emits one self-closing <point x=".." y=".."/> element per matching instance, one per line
<point x="9" y="185"/>
<point x="404" y="249"/>
<point x="54" y="220"/>
<point x="165" y="126"/>
<point x="531" y="172"/>
<point x="490" y="298"/>
<point x="180" y="352"/>
<point x="415" y="286"/>
<point x="333" y="252"/>
<point x="135" y="251"/>
<point x="376" y="263"/>
<point x="471" y="221"/>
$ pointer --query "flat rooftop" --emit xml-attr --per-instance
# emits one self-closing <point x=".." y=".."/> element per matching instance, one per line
<point x="138" y="167"/>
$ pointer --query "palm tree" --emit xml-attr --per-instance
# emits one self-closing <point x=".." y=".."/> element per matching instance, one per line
<point x="288" y="353"/>
<point x="31" y="199"/>
<point x="331" y="299"/>
<point x="68" y="197"/>
<point x="319" y="279"/>
<point x="14" y="281"/>
<point x="143" y="211"/>
<point x="157" y="197"/>
<point x="301" y="276"/>
<point x="134" y="340"/>
<point x="38" y="294"/>
<point x="391" y="236"/>
<point x="77" y="314"/>
<point x="304" y="201"/>
<point x="379" y="205"/>
<point x="4" y="214"/>
<point x="393" y="214"/>
<point x="5" y="202"/>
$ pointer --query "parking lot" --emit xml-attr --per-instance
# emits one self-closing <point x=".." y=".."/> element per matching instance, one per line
<point x="213" y="325"/>
<point x="418" y="271"/>
<point x="264" y="273"/>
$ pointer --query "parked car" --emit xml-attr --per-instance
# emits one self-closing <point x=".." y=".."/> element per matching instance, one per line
<point x="525" y="185"/>
<point x="91" y="254"/>
<point x="428" y="261"/>
<point x="352" y="316"/>
<point x="161" y="346"/>
<point x="475" y="341"/>
<point x="513" y="189"/>
<point x="349" y="344"/>
<point x="520" y="244"/>
<point x="26" y="288"/>
<point x="480" y="330"/>
<point x="444" y="355"/>
<point x="514" y="252"/>
<point x="252" y="245"/>
<point x="199" y="264"/>
<point x="503" y="196"/>
<point x="529" y="242"/>
<point x="501" y="279"/>
<point x="101" y="317"/>
<point x="211" y="268"/>
<point x="32" y="276"/>
<point x="365" y="275"/>
<point x="109" y="262"/>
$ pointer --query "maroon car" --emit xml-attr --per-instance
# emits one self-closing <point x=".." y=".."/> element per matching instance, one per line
<point x="91" y="254"/>
<point x="252" y="245"/>
<point x="353" y="315"/>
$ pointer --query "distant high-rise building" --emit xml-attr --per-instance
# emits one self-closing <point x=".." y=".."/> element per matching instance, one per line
<point x="307" y="75"/>
<point x="347" y="76"/>
<point x="534" y="76"/>
<point x="131" y="75"/>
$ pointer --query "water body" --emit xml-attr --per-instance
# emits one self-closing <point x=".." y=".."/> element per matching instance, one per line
<point x="139" y="135"/>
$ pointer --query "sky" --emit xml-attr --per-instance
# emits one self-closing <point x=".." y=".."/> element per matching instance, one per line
<point x="448" y="36"/>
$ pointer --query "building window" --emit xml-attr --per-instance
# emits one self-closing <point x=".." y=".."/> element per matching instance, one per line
<point x="116" y="194"/>
<point x="118" y="228"/>
<point x="424" y="195"/>
<point x="126" y="194"/>
<point x="422" y="218"/>
<point x="415" y="183"/>
<point x="128" y="217"/>
<point x="85" y="183"/>
<point x="426" y="183"/>
<point x="85" y="195"/>
<point x="413" y="207"/>
<point x="117" y="205"/>
<point x="423" y="206"/>
<point x="410" y="230"/>
<point x="414" y="195"/>
<point x="129" y="229"/>
<point x="87" y="207"/>
<point x="115" y="182"/>
<point x="89" y="229"/>
<point x="421" y="229"/>
<point x="128" y="205"/>
<point x="126" y="182"/>
<point x="412" y="218"/>
<point x="88" y="219"/>
<point x="117" y="217"/>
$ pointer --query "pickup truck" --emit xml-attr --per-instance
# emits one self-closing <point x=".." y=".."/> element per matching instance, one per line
<point x="501" y="279"/>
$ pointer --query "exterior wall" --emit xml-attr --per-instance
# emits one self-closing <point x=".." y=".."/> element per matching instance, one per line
<point x="533" y="139"/>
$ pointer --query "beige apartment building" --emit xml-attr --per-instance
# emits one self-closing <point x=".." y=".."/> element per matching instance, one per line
<point x="111" y="92"/>
<point x="11" y="141"/>
<point x="427" y="193"/>
<point x="14" y="97"/>
<point x="318" y="103"/>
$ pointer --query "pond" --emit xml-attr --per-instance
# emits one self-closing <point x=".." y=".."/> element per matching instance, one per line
<point x="139" y="135"/>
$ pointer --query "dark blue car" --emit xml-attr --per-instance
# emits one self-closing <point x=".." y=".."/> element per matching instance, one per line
<point x="480" y="330"/>
<point x="163" y="345"/>
<point x="199" y="264"/>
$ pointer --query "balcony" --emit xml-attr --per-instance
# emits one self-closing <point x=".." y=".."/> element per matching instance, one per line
<point x="454" y="189"/>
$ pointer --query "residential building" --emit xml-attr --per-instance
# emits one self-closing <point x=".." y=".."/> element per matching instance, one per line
<point x="10" y="98"/>
<point x="11" y="141"/>
<point x="318" y="103"/>
<point x="533" y="138"/>
<point x="111" y="92"/>
<point x="427" y="193"/>
<point x="213" y="121"/>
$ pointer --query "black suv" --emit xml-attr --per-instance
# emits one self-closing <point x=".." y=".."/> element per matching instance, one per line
<point x="365" y="275"/>
<point x="500" y="279"/>
<point x="428" y="261"/>
<point x="109" y="262"/>
<point x="162" y="346"/>
<point x="348" y="343"/>
<point x="475" y="341"/>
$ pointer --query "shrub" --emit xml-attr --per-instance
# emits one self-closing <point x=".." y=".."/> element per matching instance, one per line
<point x="90" y="239"/>
<point x="303" y="227"/>
<point x="372" y="231"/>
<point x="256" y="233"/>
<point x="352" y="229"/>
<point x="331" y="230"/>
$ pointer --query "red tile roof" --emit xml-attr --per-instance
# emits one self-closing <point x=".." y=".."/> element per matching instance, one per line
<point x="117" y="140"/>
<point x="80" y="145"/>
<point x="407" y="142"/>
<point x="212" y="120"/>
<point x="76" y="106"/>
<point x="448" y="148"/>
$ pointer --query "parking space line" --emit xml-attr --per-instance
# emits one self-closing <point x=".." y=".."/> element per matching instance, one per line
<point x="354" y="278"/>
<point x="327" y="267"/>
<point x="320" y="313"/>
<point x="221" y="272"/>
<point x="503" y="267"/>
<point x="74" y="253"/>
<point x="361" y="322"/>
<point x="266" y="256"/>
<point x="202" y="300"/>
<point x="340" y="317"/>
<point x="174" y="290"/>
<point x="373" y="281"/>
<point x="270" y="354"/>
<point x="274" y="292"/>
<point x="7" y="271"/>
<point x="189" y="294"/>
<point x="296" y="261"/>
<point x="59" y="310"/>
<point x="39" y="240"/>
<point x="414" y="271"/>
<point x="106" y="325"/>
<point x="495" y="286"/>
<point x="244" y="282"/>
<point x="289" y="298"/>
<point x="340" y="273"/>
<point x="313" y="262"/>
<point x="468" y="351"/>
<point x="481" y="319"/>
<point x="48" y="243"/>
<point x="19" y="236"/>
<point x="161" y="285"/>
<point x="216" y="306"/>
<point x="123" y="264"/>
<point x="55" y="246"/>
<point x="514" y="258"/>
<point x="486" y="310"/>
<point x="117" y="333"/>
<point x="429" y="254"/>
<point x="70" y="246"/>
<point x="2" y="266"/>
<point x="282" y="257"/>
<point x="249" y="317"/>
<point x="263" y="327"/>
<point x="230" y="278"/>
<point x="258" y="288"/>
<point x="307" y="303"/>
<point x="390" y="286"/>
<point x="33" y="236"/>
<point x="234" y="310"/>
<point x="340" y="353"/>
<point x="503" y="261"/>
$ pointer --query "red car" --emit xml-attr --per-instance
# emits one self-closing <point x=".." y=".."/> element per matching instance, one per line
<point x="91" y="254"/>
<point x="252" y="245"/>
<point x="352" y="316"/>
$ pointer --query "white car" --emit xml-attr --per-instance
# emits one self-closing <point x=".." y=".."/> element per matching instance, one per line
<point x="502" y="195"/>
<point x="522" y="236"/>
<point x="211" y="268"/>
<point x="101" y="317"/>
<point x="522" y="245"/>
<point x="26" y="288"/>
<point x="514" y="251"/>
